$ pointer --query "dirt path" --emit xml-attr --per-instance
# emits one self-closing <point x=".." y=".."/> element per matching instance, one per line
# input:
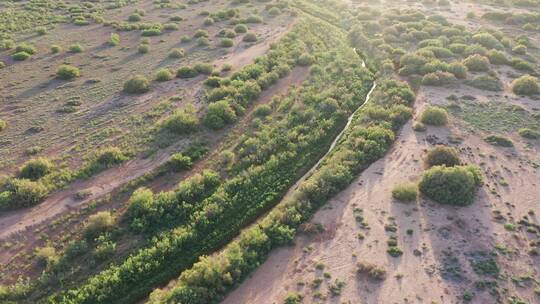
<point x="105" y="182"/>
<point x="443" y="238"/>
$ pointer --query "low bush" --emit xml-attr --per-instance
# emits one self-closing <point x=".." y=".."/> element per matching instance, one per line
<point x="486" y="82"/>
<point x="458" y="69"/>
<point x="496" y="57"/>
<point x="219" y="114"/>
<point x="98" y="223"/>
<point x="46" y="256"/>
<point x="262" y="111"/>
<point x="529" y="133"/>
<point x="103" y="159"/>
<point x="27" y="48"/>
<point x="201" y="33"/>
<point x="274" y="11"/>
<point x="371" y="270"/>
<point x="488" y="41"/>
<point x="177" y="53"/>
<point x="451" y="185"/>
<point x="76" y="48"/>
<point x="519" y="49"/>
<point x="443" y="156"/>
<point x="208" y="21"/>
<point x="250" y="37"/>
<point x="203" y="41"/>
<point x="134" y="17"/>
<point x="405" y="192"/>
<point x="20" y="56"/>
<point x="137" y="85"/>
<point x="151" y="32"/>
<point x="434" y="116"/>
<point x="186" y="72"/>
<point x="498" y="140"/>
<point x="522" y="65"/>
<point x="418" y="126"/>
<point x="438" y="79"/>
<point x="114" y="40"/>
<point x="204" y="68"/>
<point x="306" y="59"/>
<point x="41" y="30"/>
<point x="164" y="75"/>
<point x="525" y="85"/>
<point x="182" y="122"/>
<point x="35" y="169"/>
<point x="240" y="28"/>
<point x="476" y="63"/>
<point x="55" y="49"/>
<point x="143" y="48"/>
<point x="67" y="72"/>
<point x="3" y="125"/>
<point x="179" y="162"/>
<point x="226" y="42"/>
<point x="22" y="193"/>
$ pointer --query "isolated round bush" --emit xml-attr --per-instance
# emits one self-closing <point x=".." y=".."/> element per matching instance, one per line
<point x="177" y="53"/>
<point x="143" y="48"/>
<point x="137" y="85"/>
<point x="520" y="49"/>
<point x="476" y="63"/>
<point x="98" y="223"/>
<point x="76" y="48"/>
<point x="41" y="30"/>
<point x="35" y="169"/>
<point x="134" y="18"/>
<point x="405" y="192"/>
<point x="164" y="75"/>
<point x="240" y="28"/>
<point x="498" y="140"/>
<point x="418" y="126"/>
<point x="434" y="116"/>
<point x="204" y="68"/>
<point x="67" y="72"/>
<point x="110" y="156"/>
<point x="451" y="185"/>
<point x="208" y="21"/>
<point x="274" y="11"/>
<point x="496" y="57"/>
<point x="20" y="56"/>
<point x="179" y="162"/>
<point x="200" y="33"/>
<point x="525" y="85"/>
<point x="186" y="72"/>
<point x="3" y="125"/>
<point x="203" y="41"/>
<point x="249" y="37"/>
<point x="114" y="40"/>
<point x="226" y="42"/>
<point x="55" y="49"/>
<point x="25" y="193"/>
<point x="442" y="155"/>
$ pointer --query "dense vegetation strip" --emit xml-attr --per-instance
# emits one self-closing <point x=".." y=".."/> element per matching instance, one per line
<point x="266" y="164"/>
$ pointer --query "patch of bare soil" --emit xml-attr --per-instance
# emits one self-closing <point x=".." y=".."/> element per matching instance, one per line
<point x="440" y="243"/>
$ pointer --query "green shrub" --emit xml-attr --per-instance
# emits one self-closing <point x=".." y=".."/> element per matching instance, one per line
<point x="305" y="59"/>
<point x="185" y="39"/>
<point x="179" y="162"/>
<point x="137" y="85"/>
<point x="520" y="49"/>
<point x="262" y="111"/>
<point x="486" y="82"/>
<point x="226" y="42"/>
<point x="526" y="133"/>
<point x="103" y="159"/>
<point x="55" y="49"/>
<point x="293" y="298"/>
<point x="151" y="32"/>
<point x="496" y="57"/>
<point x="27" y="48"/>
<point x="498" y="140"/>
<point x="170" y="27"/>
<point x="274" y="11"/>
<point x="3" y="125"/>
<point x="41" y="30"/>
<point x="438" y="79"/>
<point x="250" y="37"/>
<point x="476" y="63"/>
<point x="20" y="56"/>
<point x="522" y="65"/>
<point x="164" y="75"/>
<point x="177" y="53"/>
<point x="67" y="72"/>
<point x="143" y="48"/>
<point x="442" y="155"/>
<point x="134" y="17"/>
<point x="186" y="72"/>
<point x="475" y="49"/>
<point x="487" y="40"/>
<point x="418" y="126"/>
<point x="204" y="68"/>
<point x="219" y="114"/>
<point x="182" y="122"/>
<point x="525" y="85"/>
<point x="76" y="48"/>
<point x="458" y="69"/>
<point x="114" y="40"/>
<point x="201" y="33"/>
<point x="98" y="223"/>
<point x="434" y="116"/>
<point x="240" y="28"/>
<point x="451" y="185"/>
<point x="25" y="193"/>
<point x="208" y="21"/>
<point x="203" y="41"/>
<point x="405" y="192"/>
<point x="35" y="169"/>
<point x="46" y="256"/>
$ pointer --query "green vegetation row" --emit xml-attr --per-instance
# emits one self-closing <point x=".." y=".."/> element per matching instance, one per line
<point x="266" y="164"/>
